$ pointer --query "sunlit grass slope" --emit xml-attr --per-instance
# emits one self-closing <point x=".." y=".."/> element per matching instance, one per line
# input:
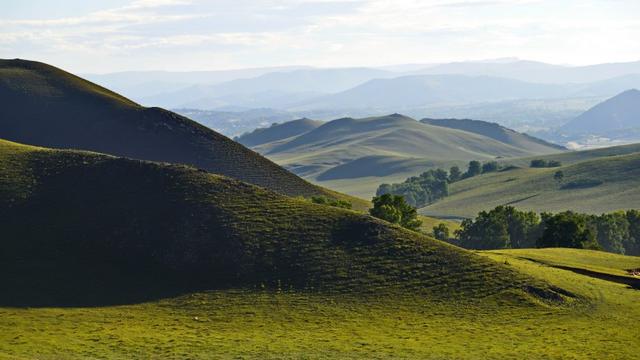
<point x="46" y="106"/>
<point x="618" y="177"/>
<point x="269" y="324"/>
<point x="84" y="228"/>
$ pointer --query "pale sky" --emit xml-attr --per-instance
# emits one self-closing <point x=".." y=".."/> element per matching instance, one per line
<point x="116" y="35"/>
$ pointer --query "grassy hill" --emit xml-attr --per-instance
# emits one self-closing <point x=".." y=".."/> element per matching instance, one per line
<point x="498" y="132"/>
<point x="45" y="106"/>
<point x="88" y="229"/>
<point x="357" y="155"/>
<point x="277" y="132"/>
<point x="614" y="186"/>
<point x="259" y="324"/>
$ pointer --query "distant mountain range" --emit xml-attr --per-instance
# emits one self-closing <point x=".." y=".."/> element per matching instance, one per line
<point x="524" y="95"/>
<point x="356" y="155"/>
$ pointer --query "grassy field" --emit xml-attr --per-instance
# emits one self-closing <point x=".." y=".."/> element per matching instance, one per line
<point x="535" y="188"/>
<point x="286" y="278"/>
<point x="601" y="322"/>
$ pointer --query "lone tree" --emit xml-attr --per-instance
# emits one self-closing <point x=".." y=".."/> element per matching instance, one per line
<point x="558" y="176"/>
<point x="394" y="209"/>
<point x="441" y="232"/>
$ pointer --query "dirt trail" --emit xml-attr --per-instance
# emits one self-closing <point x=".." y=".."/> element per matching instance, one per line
<point x="633" y="283"/>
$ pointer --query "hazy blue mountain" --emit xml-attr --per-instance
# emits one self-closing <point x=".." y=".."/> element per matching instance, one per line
<point x="142" y="84"/>
<point x="621" y="112"/>
<point x="536" y="71"/>
<point x="278" y="85"/>
<point x="412" y="91"/>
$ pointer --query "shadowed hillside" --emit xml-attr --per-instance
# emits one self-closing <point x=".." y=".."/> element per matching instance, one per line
<point x="42" y="105"/>
<point x="83" y="228"/>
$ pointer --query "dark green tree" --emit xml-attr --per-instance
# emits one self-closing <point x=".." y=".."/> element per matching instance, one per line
<point x="394" y="209"/>
<point x="441" y="232"/>
<point x="567" y="229"/>
<point x="558" y="176"/>
<point x="632" y="244"/>
<point x="502" y="227"/>
<point x="454" y="174"/>
<point x="538" y="163"/>
<point x="613" y="231"/>
<point x="490" y="166"/>
<point x="475" y="168"/>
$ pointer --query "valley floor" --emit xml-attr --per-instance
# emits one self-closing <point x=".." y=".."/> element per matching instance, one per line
<point x="601" y="324"/>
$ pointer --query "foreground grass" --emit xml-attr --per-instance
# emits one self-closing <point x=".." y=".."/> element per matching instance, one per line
<point x="600" y="324"/>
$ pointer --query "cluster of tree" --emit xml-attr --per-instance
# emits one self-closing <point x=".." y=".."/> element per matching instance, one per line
<point x="323" y="200"/>
<point x="421" y="190"/>
<point x="541" y="163"/>
<point x="394" y="209"/>
<point x="432" y="185"/>
<point x="506" y="227"/>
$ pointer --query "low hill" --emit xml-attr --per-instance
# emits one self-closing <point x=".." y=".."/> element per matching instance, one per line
<point x="357" y="155"/>
<point x="598" y="185"/>
<point x="85" y="228"/>
<point x="277" y="132"/>
<point x="498" y="132"/>
<point x="45" y="106"/>
<point x="622" y="112"/>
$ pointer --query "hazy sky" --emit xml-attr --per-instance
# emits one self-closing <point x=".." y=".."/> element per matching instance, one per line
<point x="114" y="35"/>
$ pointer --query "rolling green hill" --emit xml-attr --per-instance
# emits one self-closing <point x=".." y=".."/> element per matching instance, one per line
<point x="498" y="132"/>
<point x="83" y="228"/>
<point x="45" y="106"/>
<point x="357" y="155"/>
<point x="614" y="186"/>
<point x="277" y="133"/>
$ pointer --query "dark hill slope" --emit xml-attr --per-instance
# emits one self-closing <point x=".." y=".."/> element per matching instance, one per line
<point x="498" y="132"/>
<point x="85" y="228"/>
<point x="43" y="105"/>
<point x="278" y="132"/>
<point x="618" y="113"/>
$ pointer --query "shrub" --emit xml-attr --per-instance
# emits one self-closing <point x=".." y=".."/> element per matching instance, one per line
<point x="323" y="200"/>
<point x="581" y="184"/>
<point x="538" y="163"/>
<point x="441" y="232"/>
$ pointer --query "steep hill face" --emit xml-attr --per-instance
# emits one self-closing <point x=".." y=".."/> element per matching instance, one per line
<point x="42" y="105"/>
<point x="85" y="228"/>
<point x="497" y="132"/>
<point x="618" y="113"/>
<point x="278" y="132"/>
